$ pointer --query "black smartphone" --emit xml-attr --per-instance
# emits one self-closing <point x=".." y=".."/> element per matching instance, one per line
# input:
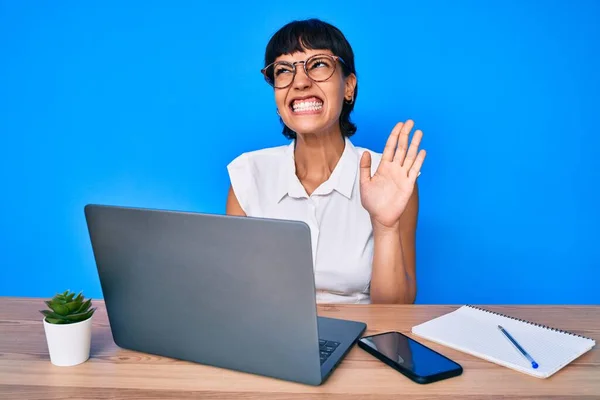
<point x="409" y="357"/>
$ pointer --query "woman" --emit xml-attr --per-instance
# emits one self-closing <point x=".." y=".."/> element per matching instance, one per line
<point x="361" y="206"/>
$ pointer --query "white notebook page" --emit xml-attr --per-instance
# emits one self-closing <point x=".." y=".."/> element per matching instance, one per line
<point x="476" y="332"/>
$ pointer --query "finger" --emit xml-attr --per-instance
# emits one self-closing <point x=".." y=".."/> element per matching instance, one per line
<point x="415" y="170"/>
<point x="403" y="141"/>
<point x="413" y="149"/>
<point x="365" y="167"/>
<point x="392" y="142"/>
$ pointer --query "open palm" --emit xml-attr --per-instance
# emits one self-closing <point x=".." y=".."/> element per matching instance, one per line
<point x="385" y="194"/>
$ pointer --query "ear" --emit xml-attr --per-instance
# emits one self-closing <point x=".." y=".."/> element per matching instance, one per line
<point x="350" y="85"/>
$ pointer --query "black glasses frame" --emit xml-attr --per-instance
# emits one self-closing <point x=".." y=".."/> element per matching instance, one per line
<point x="271" y="81"/>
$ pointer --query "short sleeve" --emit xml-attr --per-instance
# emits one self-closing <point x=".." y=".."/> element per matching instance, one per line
<point x="241" y="178"/>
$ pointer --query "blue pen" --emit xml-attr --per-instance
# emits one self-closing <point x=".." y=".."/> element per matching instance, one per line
<point x="518" y="346"/>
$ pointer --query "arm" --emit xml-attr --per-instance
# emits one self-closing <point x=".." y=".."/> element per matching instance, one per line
<point x="232" y="206"/>
<point x="393" y="278"/>
<point x="391" y="198"/>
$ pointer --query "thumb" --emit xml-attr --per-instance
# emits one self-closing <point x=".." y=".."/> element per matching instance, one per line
<point x="365" y="167"/>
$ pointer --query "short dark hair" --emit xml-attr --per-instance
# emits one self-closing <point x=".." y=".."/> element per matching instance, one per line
<point x="315" y="34"/>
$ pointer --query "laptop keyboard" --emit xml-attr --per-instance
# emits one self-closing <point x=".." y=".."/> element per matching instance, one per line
<point x="326" y="348"/>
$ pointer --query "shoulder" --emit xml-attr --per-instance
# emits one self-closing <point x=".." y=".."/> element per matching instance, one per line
<point x="250" y="171"/>
<point x="253" y="174"/>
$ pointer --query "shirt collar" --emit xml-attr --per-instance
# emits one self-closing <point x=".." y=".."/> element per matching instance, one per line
<point x="342" y="178"/>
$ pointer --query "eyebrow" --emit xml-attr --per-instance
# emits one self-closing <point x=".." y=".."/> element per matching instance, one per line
<point x="328" y="52"/>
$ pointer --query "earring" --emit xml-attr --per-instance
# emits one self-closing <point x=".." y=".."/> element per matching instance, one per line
<point x="349" y="101"/>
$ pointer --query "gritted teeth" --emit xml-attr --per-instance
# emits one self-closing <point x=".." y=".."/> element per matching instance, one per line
<point x="308" y="104"/>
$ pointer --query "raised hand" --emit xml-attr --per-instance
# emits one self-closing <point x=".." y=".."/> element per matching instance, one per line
<point x="385" y="194"/>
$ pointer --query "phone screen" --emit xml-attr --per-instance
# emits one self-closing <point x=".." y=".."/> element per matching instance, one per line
<point x="409" y="354"/>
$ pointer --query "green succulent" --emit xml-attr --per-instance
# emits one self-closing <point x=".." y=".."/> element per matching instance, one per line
<point x="66" y="308"/>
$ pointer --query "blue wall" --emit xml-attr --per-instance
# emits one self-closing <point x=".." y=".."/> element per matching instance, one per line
<point x="144" y="104"/>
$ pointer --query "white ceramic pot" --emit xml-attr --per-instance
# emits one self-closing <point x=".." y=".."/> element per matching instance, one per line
<point x="69" y="344"/>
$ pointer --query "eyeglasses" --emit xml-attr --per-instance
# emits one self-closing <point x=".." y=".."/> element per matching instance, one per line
<point x="318" y="68"/>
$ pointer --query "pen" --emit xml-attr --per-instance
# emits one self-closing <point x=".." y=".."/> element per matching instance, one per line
<point x="518" y="346"/>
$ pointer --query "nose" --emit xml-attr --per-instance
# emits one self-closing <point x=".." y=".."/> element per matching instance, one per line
<point x="301" y="80"/>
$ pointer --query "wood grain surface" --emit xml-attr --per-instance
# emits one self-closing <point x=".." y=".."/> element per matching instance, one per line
<point x="115" y="373"/>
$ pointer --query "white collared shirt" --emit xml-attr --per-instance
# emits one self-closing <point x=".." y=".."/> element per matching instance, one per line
<point x="266" y="186"/>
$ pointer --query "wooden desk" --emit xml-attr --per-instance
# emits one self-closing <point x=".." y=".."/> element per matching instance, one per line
<point x="111" y="372"/>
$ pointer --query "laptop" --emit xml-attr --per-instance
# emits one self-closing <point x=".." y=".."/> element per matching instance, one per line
<point x="226" y="291"/>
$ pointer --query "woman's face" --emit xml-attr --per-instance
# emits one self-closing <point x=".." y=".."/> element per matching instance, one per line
<point x="309" y="107"/>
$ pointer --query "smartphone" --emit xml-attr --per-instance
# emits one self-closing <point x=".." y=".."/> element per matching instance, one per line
<point x="409" y="357"/>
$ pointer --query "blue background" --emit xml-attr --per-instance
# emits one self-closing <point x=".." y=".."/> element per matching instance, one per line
<point x="145" y="103"/>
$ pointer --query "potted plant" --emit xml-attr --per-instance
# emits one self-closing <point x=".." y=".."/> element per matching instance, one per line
<point x="68" y="327"/>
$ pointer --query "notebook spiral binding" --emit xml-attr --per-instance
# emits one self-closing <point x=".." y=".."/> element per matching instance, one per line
<point x="529" y="322"/>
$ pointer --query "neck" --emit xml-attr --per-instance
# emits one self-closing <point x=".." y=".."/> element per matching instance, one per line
<point x="317" y="155"/>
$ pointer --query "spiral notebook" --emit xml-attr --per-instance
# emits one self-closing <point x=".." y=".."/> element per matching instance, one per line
<point x="474" y="330"/>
